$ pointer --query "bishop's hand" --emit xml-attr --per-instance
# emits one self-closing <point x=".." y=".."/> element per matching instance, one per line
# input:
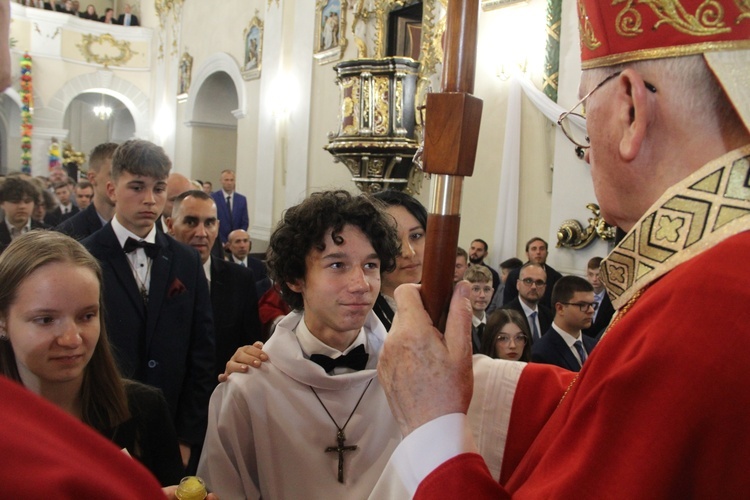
<point x="425" y="374"/>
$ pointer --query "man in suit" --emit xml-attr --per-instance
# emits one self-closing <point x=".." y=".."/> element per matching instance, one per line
<point x="84" y="192"/>
<point x="477" y="253"/>
<point x="530" y="287"/>
<point x="233" y="298"/>
<point x="239" y="246"/>
<point x="17" y="201"/>
<point x="176" y="185"/>
<point x="102" y="208"/>
<point x="231" y="205"/>
<point x="536" y="252"/>
<point x="564" y="345"/>
<point x="127" y="18"/>
<point x="156" y="298"/>
<point x="481" y="293"/>
<point x="65" y="208"/>
<point x="604" y="309"/>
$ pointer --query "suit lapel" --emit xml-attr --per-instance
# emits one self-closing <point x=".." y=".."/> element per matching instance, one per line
<point x="218" y="278"/>
<point x="567" y="355"/>
<point x="160" y="275"/>
<point x="4" y="233"/>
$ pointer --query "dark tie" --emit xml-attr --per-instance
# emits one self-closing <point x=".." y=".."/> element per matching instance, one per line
<point x="229" y="207"/>
<point x="151" y="249"/>
<point x="243" y="264"/>
<point x="581" y="352"/>
<point x="478" y="332"/>
<point x="534" y="329"/>
<point x="356" y="359"/>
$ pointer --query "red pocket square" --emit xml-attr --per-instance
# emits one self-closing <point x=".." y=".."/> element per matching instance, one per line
<point x="176" y="288"/>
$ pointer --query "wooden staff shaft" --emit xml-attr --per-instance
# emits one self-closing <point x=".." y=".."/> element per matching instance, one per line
<point x="451" y="136"/>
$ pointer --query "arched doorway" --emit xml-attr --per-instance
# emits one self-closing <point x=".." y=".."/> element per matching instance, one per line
<point x="214" y="127"/>
<point x="87" y="129"/>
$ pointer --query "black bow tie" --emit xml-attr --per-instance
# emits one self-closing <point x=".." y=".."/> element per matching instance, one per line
<point x="356" y="359"/>
<point x="151" y="249"/>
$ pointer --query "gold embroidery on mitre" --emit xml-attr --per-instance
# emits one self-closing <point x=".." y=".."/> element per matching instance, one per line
<point x="708" y="18"/>
<point x="744" y="6"/>
<point x="628" y="21"/>
<point x="701" y="211"/>
<point x="588" y="38"/>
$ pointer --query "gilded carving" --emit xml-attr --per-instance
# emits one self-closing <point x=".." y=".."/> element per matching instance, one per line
<point x="381" y="112"/>
<point x="398" y="100"/>
<point x="573" y="235"/>
<point x="365" y="89"/>
<point x="105" y="50"/>
<point x="349" y="109"/>
<point x="588" y="38"/>
<point x="707" y="20"/>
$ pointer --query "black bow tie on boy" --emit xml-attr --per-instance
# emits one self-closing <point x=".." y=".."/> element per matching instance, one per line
<point x="356" y="359"/>
<point x="151" y="249"/>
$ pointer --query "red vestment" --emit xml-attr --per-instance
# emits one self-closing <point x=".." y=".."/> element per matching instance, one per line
<point x="660" y="409"/>
<point x="49" y="454"/>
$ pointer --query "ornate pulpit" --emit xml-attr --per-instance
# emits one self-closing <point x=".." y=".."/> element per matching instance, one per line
<point x="376" y="136"/>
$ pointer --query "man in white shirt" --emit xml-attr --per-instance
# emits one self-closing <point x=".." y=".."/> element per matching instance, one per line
<point x="604" y="309"/>
<point x="233" y="298"/>
<point x="17" y="202"/>
<point x="312" y="421"/>
<point x="531" y="285"/>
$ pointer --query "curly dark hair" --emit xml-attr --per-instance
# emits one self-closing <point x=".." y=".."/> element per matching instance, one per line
<point x="304" y="226"/>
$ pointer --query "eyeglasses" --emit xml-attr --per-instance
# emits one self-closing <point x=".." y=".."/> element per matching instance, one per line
<point x="575" y="135"/>
<point x="485" y="289"/>
<point x="505" y="339"/>
<point x="529" y="282"/>
<point x="584" y="306"/>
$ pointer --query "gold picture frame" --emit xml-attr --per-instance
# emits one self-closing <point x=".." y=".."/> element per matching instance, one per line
<point x="253" y="49"/>
<point x="330" y="30"/>
<point x="185" y="76"/>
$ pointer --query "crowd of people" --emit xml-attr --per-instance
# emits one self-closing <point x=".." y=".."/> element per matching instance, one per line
<point x="73" y="7"/>
<point x="127" y="320"/>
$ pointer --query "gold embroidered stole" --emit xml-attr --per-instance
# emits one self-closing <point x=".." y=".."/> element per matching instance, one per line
<point x="694" y="215"/>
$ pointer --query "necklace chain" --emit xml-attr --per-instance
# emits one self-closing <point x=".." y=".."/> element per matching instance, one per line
<point x="340" y="436"/>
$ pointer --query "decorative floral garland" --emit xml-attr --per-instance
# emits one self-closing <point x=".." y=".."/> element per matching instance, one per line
<point x="27" y="107"/>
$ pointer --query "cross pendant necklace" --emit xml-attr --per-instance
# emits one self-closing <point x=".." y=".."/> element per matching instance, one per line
<point x="141" y="283"/>
<point x="341" y="447"/>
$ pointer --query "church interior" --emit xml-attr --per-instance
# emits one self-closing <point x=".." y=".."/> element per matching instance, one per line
<point x="301" y="96"/>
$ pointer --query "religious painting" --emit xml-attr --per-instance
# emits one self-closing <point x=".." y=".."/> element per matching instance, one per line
<point x="330" y="30"/>
<point x="186" y="70"/>
<point x="405" y="31"/>
<point x="253" y="37"/>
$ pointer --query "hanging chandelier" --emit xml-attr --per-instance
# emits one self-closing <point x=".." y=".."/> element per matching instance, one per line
<point x="103" y="112"/>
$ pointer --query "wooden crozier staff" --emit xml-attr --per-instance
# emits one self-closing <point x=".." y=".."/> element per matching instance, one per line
<point x="450" y="148"/>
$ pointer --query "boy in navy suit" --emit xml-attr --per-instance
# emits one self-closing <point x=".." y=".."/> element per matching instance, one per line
<point x="564" y="345"/>
<point x="157" y="305"/>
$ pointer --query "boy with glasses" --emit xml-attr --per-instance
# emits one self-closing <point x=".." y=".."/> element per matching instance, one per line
<point x="564" y="345"/>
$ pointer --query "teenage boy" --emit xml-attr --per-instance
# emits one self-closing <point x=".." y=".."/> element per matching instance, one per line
<point x="312" y="421"/>
<point x="65" y="209"/>
<point x="17" y="201"/>
<point x="481" y="294"/>
<point x="158" y="310"/>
